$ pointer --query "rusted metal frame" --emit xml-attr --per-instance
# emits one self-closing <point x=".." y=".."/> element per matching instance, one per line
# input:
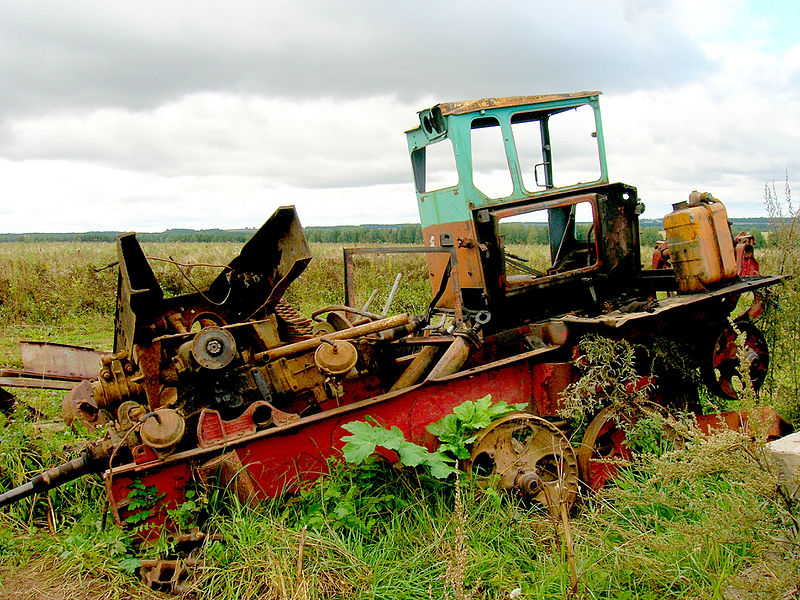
<point x="617" y="318"/>
<point x="349" y="271"/>
<point x="171" y="482"/>
<point x="37" y="382"/>
<point x="591" y="198"/>
<point x="556" y="278"/>
<point x="138" y="292"/>
<point x="278" y="458"/>
<point x="266" y="265"/>
<point x="572" y="200"/>
<point x="502" y="212"/>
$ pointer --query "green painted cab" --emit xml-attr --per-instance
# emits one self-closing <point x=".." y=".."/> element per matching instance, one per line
<point x="484" y="168"/>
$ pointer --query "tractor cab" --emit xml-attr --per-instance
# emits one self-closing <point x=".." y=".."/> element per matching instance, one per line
<point x="494" y="174"/>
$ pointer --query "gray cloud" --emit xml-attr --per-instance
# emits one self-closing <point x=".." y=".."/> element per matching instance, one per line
<point x="140" y="55"/>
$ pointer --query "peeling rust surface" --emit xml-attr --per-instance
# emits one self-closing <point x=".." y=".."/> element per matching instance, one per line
<point x="467" y="106"/>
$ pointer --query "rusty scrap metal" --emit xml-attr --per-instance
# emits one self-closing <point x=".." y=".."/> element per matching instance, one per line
<point x="469" y="106"/>
<point x="52" y="366"/>
<point x="60" y="360"/>
<point x="770" y="423"/>
<point x="35" y="382"/>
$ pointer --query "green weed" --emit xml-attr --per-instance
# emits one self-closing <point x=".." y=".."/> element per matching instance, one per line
<point x="455" y="433"/>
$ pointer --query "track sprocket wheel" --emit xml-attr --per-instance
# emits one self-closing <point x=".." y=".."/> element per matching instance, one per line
<point x="722" y="367"/>
<point x="602" y="449"/>
<point x="529" y="455"/>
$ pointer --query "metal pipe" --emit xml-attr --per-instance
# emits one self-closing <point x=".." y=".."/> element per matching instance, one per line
<point x="388" y="335"/>
<point x="416" y="369"/>
<point x="452" y="360"/>
<point x="344" y="334"/>
<point x="345" y="309"/>
<point x="370" y="299"/>
<point x="49" y="479"/>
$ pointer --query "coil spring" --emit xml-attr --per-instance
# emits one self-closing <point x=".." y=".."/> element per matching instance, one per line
<point x="298" y="327"/>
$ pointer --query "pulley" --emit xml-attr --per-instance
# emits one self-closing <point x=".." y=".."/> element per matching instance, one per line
<point x="213" y="347"/>
<point x="603" y="450"/>
<point x="721" y="368"/>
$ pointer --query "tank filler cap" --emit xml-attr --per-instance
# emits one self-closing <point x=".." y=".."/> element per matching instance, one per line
<point x="163" y="429"/>
<point x="213" y="347"/>
<point x="336" y="357"/>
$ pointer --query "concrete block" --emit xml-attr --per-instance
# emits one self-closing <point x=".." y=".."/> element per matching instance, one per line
<point x="786" y="454"/>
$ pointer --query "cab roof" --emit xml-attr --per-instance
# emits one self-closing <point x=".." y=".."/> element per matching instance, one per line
<point x="468" y="106"/>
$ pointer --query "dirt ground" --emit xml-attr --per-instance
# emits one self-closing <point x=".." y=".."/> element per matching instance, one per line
<point x="44" y="579"/>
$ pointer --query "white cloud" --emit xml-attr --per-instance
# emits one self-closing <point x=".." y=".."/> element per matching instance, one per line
<point x="141" y="55"/>
<point x="729" y="135"/>
<point x="315" y="143"/>
<point x="197" y="114"/>
<point x="74" y="197"/>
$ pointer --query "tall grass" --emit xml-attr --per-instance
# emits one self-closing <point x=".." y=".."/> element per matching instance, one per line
<point x="65" y="291"/>
<point x="782" y="318"/>
<point x="697" y="522"/>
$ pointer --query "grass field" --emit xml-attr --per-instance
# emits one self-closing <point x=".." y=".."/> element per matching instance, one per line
<point x="693" y="521"/>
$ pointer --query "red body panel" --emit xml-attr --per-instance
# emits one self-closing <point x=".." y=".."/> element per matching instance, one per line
<point x="279" y="459"/>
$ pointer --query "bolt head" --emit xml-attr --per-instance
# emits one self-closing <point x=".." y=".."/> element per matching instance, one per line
<point x="214" y="347"/>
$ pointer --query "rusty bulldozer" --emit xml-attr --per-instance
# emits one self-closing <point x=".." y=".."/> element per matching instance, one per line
<point x="233" y="382"/>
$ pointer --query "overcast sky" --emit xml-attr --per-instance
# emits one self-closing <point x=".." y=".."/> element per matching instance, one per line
<point x="148" y="115"/>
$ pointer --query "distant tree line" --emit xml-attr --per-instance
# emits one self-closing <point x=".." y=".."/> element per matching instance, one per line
<point x="536" y="233"/>
<point x="370" y="234"/>
<point x="342" y="234"/>
<point x="171" y="235"/>
<point x="650" y="231"/>
<point x="648" y="236"/>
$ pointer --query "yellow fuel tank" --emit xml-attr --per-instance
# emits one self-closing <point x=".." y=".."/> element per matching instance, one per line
<point x="700" y="243"/>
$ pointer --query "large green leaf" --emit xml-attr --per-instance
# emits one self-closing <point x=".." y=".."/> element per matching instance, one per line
<point x="412" y="455"/>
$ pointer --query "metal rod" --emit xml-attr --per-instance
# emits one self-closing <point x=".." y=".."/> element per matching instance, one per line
<point x="49" y="479"/>
<point x="452" y="360"/>
<point x="370" y="299"/>
<point x="416" y="370"/>
<point x="344" y="334"/>
<point x="346" y="309"/>
<point x="392" y="294"/>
